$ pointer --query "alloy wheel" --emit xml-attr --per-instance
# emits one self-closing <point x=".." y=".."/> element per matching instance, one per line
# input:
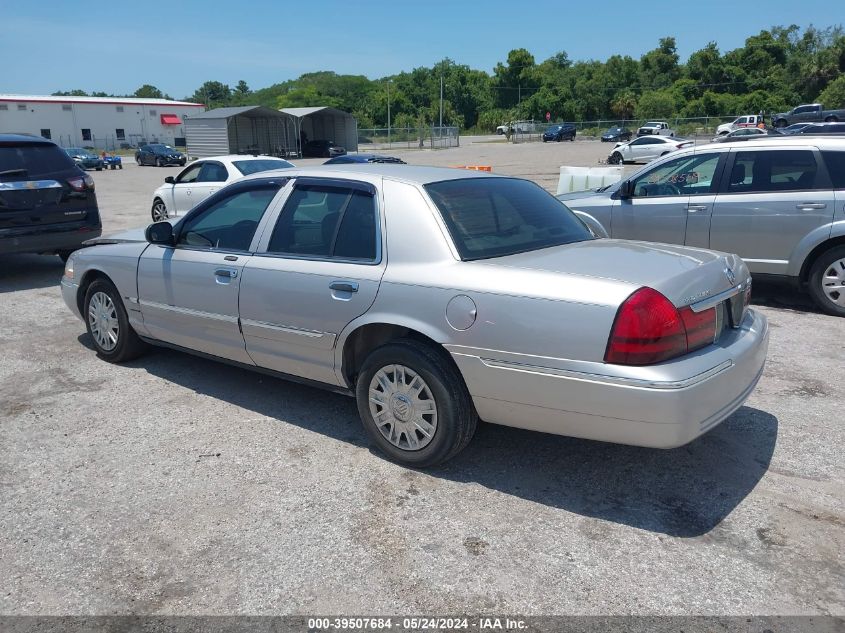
<point x="102" y="317"/>
<point x="159" y="211"/>
<point x="403" y="407"/>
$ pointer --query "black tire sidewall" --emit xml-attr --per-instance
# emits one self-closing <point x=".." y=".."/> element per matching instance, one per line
<point x="816" y="272"/>
<point x="123" y="334"/>
<point x="454" y="409"/>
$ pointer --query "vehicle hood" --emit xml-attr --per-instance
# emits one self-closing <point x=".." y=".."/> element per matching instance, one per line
<point x="683" y="274"/>
<point x="132" y="235"/>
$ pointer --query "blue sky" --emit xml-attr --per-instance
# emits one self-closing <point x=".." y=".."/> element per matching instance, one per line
<point x="117" y="46"/>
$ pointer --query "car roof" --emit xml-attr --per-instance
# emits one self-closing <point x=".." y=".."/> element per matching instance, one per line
<point x="414" y="174"/>
<point x="768" y="140"/>
<point x="29" y="139"/>
<point x="234" y="157"/>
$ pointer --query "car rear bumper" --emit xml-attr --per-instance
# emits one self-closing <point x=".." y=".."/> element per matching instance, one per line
<point x="47" y="239"/>
<point x="694" y="394"/>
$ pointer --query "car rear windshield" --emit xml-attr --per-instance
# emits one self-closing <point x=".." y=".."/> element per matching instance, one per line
<point x="247" y="167"/>
<point x="492" y="217"/>
<point x="37" y="160"/>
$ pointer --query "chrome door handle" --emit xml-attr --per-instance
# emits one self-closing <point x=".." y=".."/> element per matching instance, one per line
<point x="344" y="286"/>
<point x="226" y="272"/>
<point x="692" y="208"/>
<point x="810" y="206"/>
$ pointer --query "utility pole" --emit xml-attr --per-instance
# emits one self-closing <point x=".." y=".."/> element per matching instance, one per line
<point x="441" y="100"/>
<point x="388" y="113"/>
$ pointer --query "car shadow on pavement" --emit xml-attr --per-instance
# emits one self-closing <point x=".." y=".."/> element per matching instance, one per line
<point x="782" y="295"/>
<point x="683" y="492"/>
<point x="26" y="272"/>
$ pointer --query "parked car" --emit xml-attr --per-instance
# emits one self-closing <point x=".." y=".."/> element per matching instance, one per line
<point x="560" y="132"/>
<point x="777" y="202"/>
<point x="47" y="205"/>
<point x="808" y="113"/>
<point x="85" y="159"/>
<point x="823" y="128"/>
<point x="111" y="161"/>
<point x="336" y="278"/>
<point x="159" y="154"/>
<point x="616" y="134"/>
<point x="322" y="149"/>
<point x="795" y="128"/>
<point x="350" y="159"/>
<point x="202" y="178"/>
<point x="748" y="120"/>
<point x="656" y="128"/>
<point x="645" y="148"/>
<point x="742" y="134"/>
<point x="519" y="127"/>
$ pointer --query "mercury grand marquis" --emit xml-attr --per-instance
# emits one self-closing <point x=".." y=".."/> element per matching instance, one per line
<point x="437" y="298"/>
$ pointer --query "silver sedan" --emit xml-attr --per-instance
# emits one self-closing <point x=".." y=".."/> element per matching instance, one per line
<point x="437" y="298"/>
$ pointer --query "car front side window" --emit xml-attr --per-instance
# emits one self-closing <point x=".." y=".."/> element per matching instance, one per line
<point x="689" y="175"/>
<point x="229" y="224"/>
<point x="190" y="174"/>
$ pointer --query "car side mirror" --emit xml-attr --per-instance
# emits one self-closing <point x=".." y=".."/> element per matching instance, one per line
<point x="626" y="190"/>
<point x="160" y="233"/>
<point x="170" y="180"/>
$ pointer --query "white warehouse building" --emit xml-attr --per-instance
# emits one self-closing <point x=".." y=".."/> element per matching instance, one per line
<point x="100" y="122"/>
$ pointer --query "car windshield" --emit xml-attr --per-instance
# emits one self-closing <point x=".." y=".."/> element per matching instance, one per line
<point x="652" y="124"/>
<point x="614" y="130"/>
<point x="158" y="148"/>
<point x="554" y="128"/>
<point x="76" y="151"/>
<point x="247" y="167"/>
<point x="493" y="217"/>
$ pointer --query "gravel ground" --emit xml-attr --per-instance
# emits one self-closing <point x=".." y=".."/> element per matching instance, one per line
<point x="176" y="485"/>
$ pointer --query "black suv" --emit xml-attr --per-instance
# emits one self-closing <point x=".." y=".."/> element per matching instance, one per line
<point x="159" y="154"/>
<point x="47" y="204"/>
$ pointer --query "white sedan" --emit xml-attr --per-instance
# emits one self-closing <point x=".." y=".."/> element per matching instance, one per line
<point x="645" y="148"/>
<point x="202" y="178"/>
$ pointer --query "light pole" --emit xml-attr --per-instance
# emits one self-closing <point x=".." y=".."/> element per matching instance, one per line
<point x="441" y="101"/>
<point x="389" y="81"/>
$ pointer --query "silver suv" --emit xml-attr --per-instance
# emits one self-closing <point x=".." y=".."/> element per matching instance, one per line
<point x="778" y="203"/>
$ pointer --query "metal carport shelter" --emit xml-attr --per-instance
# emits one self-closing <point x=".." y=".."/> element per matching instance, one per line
<point x="241" y="130"/>
<point x="327" y="124"/>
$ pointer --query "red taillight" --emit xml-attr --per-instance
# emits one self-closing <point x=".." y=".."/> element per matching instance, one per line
<point x="649" y="329"/>
<point x="700" y="327"/>
<point x="80" y="183"/>
<point x="77" y="183"/>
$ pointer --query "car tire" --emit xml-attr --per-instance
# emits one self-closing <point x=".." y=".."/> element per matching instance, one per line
<point x="617" y="159"/>
<point x="827" y="281"/>
<point x="158" y="212"/>
<point x="114" y="339"/>
<point x="120" y="166"/>
<point x="831" y="119"/>
<point x="454" y="418"/>
<point x="138" y="161"/>
<point x="159" y="162"/>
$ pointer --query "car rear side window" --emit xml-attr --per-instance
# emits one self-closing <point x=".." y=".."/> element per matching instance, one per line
<point x="229" y="224"/>
<point x="327" y="221"/>
<point x="212" y="172"/>
<point x="32" y="160"/>
<point x="772" y="171"/>
<point x="492" y="217"/>
<point x="835" y="162"/>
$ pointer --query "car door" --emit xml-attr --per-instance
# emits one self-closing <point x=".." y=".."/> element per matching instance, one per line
<point x="188" y="292"/>
<point x="183" y="187"/>
<point x="643" y="149"/>
<point x="666" y="197"/>
<point x="770" y="200"/>
<point x="212" y="177"/>
<point x="317" y="270"/>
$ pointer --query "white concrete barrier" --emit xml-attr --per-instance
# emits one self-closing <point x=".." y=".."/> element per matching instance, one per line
<point x="586" y="178"/>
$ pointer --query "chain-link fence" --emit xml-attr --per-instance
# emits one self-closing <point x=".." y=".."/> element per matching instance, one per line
<point x="115" y="143"/>
<point x="694" y="127"/>
<point x="408" y="138"/>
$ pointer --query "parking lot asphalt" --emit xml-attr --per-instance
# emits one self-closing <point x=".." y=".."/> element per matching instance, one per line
<point x="176" y="485"/>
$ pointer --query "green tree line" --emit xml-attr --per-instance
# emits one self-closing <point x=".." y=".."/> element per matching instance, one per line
<point x="775" y="70"/>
